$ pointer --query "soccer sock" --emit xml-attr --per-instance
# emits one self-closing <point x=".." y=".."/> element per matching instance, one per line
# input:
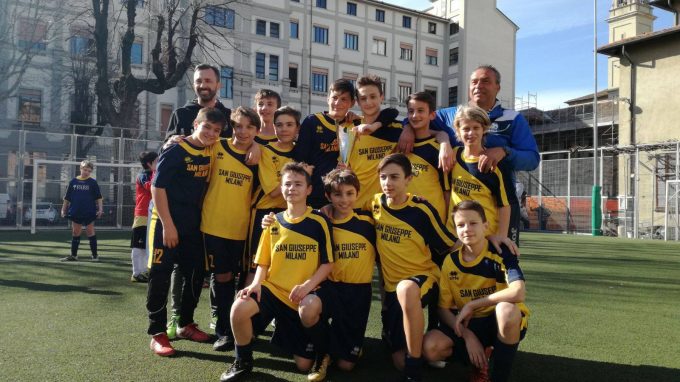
<point x="413" y="367"/>
<point x="503" y="355"/>
<point x="318" y="334"/>
<point x="93" y="245"/>
<point x="75" y="243"/>
<point x="138" y="261"/>
<point x="244" y="352"/>
<point x="224" y="295"/>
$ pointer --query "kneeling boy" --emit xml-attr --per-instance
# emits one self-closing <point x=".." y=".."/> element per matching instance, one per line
<point x="480" y="302"/>
<point x="294" y="256"/>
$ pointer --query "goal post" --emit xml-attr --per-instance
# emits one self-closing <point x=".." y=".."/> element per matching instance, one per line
<point x="672" y="207"/>
<point x="39" y="162"/>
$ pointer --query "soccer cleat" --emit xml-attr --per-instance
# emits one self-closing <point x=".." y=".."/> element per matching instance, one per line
<point x="69" y="258"/>
<point x="238" y="369"/>
<point x="223" y="343"/>
<point x="95" y="258"/>
<point x="482" y="375"/>
<point x="318" y="372"/>
<point x="160" y="344"/>
<point x="172" y="327"/>
<point x="140" y="278"/>
<point x="193" y="333"/>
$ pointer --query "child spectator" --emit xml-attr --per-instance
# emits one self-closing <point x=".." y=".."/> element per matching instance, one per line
<point x="139" y="255"/>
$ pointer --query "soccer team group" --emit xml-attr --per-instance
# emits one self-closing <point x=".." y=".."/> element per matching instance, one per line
<point x="290" y="217"/>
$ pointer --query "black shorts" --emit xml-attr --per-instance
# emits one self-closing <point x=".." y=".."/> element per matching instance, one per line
<point x="348" y="305"/>
<point x="515" y="220"/>
<point x="393" y="318"/>
<point x="486" y="330"/>
<point x="189" y="253"/>
<point x="82" y="220"/>
<point x="254" y="234"/>
<point x="223" y="255"/>
<point x="138" y="239"/>
<point x="290" y="334"/>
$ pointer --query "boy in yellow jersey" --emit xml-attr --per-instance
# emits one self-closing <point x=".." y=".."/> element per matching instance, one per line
<point x="409" y="234"/>
<point x="469" y="183"/>
<point x="225" y="209"/>
<point x="481" y="301"/>
<point x="174" y="229"/>
<point x="266" y="103"/>
<point x="294" y="257"/>
<point x="429" y="181"/>
<point x="268" y="198"/>
<point x="350" y="281"/>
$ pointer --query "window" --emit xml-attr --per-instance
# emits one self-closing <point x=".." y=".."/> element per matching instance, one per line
<point x="273" y="68"/>
<point x="453" y="96"/>
<point x="32" y="34"/>
<point x="404" y="91"/>
<point x="432" y="27"/>
<point x="319" y="80"/>
<point x="293" y="75"/>
<point x="453" y="56"/>
<point x="294" y="30"/>
<point x="380" y="15"/>
<point x="406" y="52"/>
<point x="431" y="56"/>
<point x="81" y="46"/>
<point x="379" y="47"/>
<point x="30" y="106"/>
<point x="219" y="17"/>
<point x="664" y="170"/>
<point x="453" y="28"/>
<point x="136" y="53"/>
<point x="406" y="22"/>
<point x="261" y="27"/>
<point x="351" y="77"/>
<point x="166" y="114"/>
<point x="383" y="84"/>
<point x="259" y="65"/>
<point x="351" y="9"/>
<point x="321" y="4"/>
<point x="227" y="82"/>
<point x="320" y="35"/>
<point x="274" y="30"/>
<point x="432" y="92"/>
<point x="351" y="41"/>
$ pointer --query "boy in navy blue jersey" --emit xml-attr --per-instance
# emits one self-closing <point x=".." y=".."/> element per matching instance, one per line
<point x="82" y="205"/>
<point x="175" y="236"/>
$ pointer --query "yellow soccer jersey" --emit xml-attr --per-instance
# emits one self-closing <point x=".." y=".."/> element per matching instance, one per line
<point x="489" y="189"/>
<point x="293" y="249"/>
<point x="462" y="282"/>
<point x="269" y="175"/>
<point x="226" y="208"/>
<point x="429" y="181"/>
<point x="367" y="153"/>
<point x="406" y="235"/>
<point x="353" y="249"/>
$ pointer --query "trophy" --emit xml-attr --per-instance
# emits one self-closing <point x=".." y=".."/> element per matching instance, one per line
<point x="346" y="137"/>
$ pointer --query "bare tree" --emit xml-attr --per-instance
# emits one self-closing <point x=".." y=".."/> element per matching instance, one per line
<point x="178" y="32"/>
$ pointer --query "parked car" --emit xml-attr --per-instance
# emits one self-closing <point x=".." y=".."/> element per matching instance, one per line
<point x="43" y="211"/>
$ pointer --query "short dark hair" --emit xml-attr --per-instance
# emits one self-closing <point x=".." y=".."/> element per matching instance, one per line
<point x="423" y="97"/>
<point x="343" y="86"/>
<point x="337" y="177"/>
<point x="146" y="157"/>
<point x="247" y="112"/>
<point x="287" y="110"/>
<point x="211" y="115"/>
<point x="208" y="66"/>
<point x="490" y="68"/>
<point x="297" y="168"/>
<point x="267" y="93"/>
<point x="469" y="205"/>
<point x="367" y="80"/>
<point x="400" y="160"/>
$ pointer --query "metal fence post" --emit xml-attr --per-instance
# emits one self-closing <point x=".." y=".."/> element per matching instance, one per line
<point x="20" y="181"/>
<point x="636" y="196"/>
<point x="568" y="190"/>
<point x="119" y="184"/>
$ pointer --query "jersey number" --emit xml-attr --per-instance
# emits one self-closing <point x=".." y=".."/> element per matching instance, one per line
<point x="211" y="261"/>
<point x="157" y="254"/>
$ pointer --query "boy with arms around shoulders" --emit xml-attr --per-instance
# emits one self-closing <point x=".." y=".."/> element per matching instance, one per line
<point x="480" y="301"/>
<point x="409" y="234"/>
<point x="266" y="103"/>
<point x="225" y="210"/>
<point x="294" y="257"/>
<point x="175" y="235"/>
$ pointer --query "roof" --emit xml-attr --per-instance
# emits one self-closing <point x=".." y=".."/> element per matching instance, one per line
<point x="614" y="48"/>
<point x="603" y="94"/>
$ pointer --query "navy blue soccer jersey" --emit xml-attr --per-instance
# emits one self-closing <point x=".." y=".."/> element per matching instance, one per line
<point x="82" y="194"/>
<point x="182" y="171"/>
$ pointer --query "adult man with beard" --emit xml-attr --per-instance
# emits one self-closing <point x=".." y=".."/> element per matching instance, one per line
<point x="206" y="85"/>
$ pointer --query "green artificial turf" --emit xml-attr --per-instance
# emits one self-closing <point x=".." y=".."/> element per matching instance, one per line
<point x="603" y="309"/>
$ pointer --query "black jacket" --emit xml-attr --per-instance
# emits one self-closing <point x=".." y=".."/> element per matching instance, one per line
<point x="182" y="119"/>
